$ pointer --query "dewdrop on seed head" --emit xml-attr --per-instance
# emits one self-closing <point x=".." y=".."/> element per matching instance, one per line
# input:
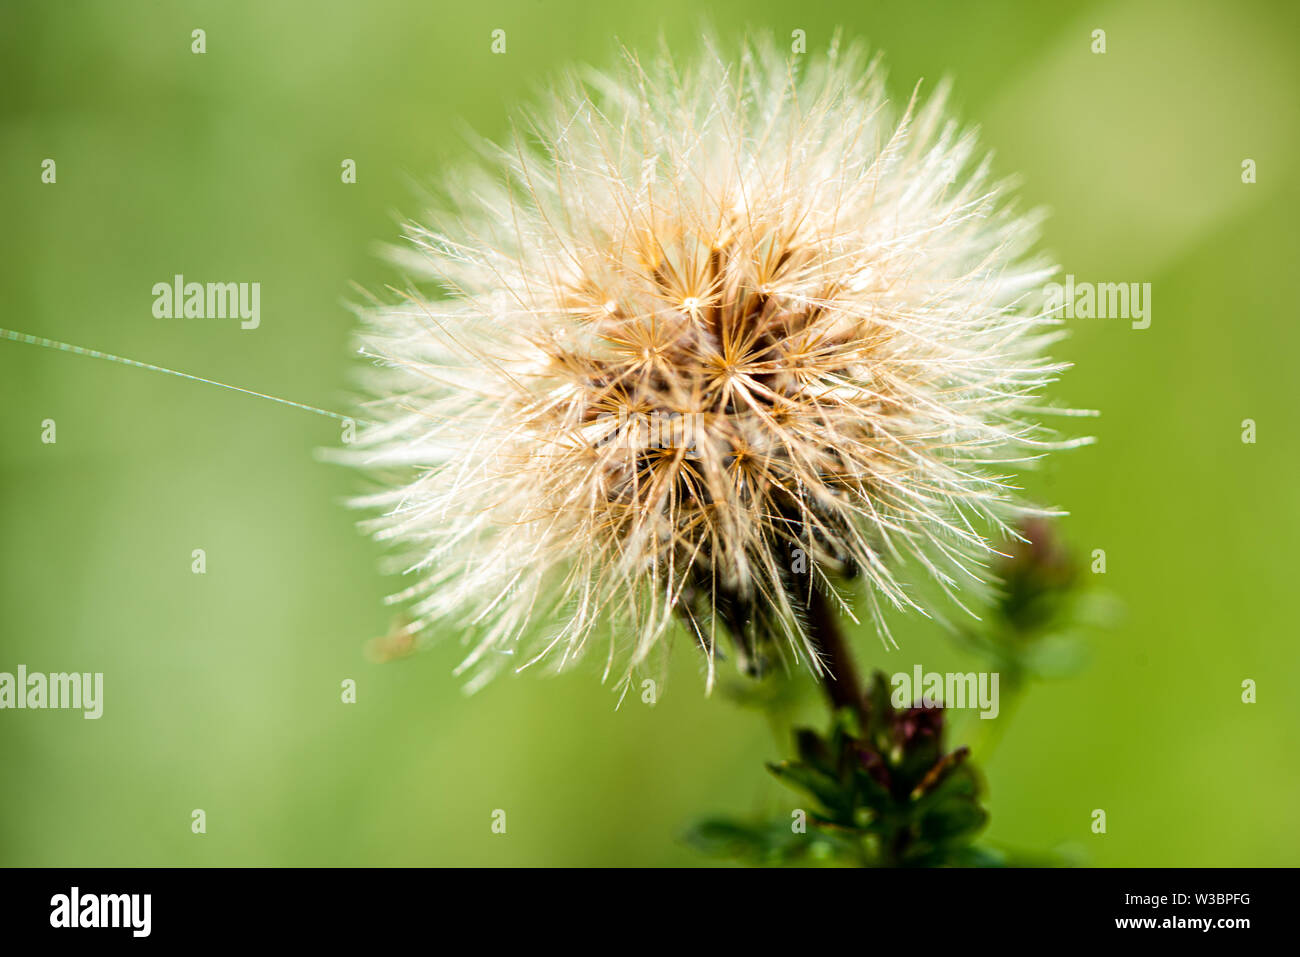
<point x="766" y="249"/>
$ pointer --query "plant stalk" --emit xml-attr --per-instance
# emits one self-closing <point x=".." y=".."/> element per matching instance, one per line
<point x="839" y="675"/>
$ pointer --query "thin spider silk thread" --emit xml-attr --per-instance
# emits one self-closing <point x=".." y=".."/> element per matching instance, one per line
<point x="54" y="344"/>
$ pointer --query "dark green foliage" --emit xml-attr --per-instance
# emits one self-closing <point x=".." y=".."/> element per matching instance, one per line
<point x="883" y="790"/>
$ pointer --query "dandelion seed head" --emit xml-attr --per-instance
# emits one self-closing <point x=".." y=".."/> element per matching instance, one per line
<point x="767" y="250"/>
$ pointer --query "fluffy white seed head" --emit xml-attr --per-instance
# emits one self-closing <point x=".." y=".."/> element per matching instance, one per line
<point x="696" y="341"/>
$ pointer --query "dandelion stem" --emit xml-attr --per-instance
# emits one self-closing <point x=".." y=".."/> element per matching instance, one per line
<point x="839" y="675"/>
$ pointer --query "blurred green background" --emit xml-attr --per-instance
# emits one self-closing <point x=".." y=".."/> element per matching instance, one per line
<point x="222" y="690"/>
